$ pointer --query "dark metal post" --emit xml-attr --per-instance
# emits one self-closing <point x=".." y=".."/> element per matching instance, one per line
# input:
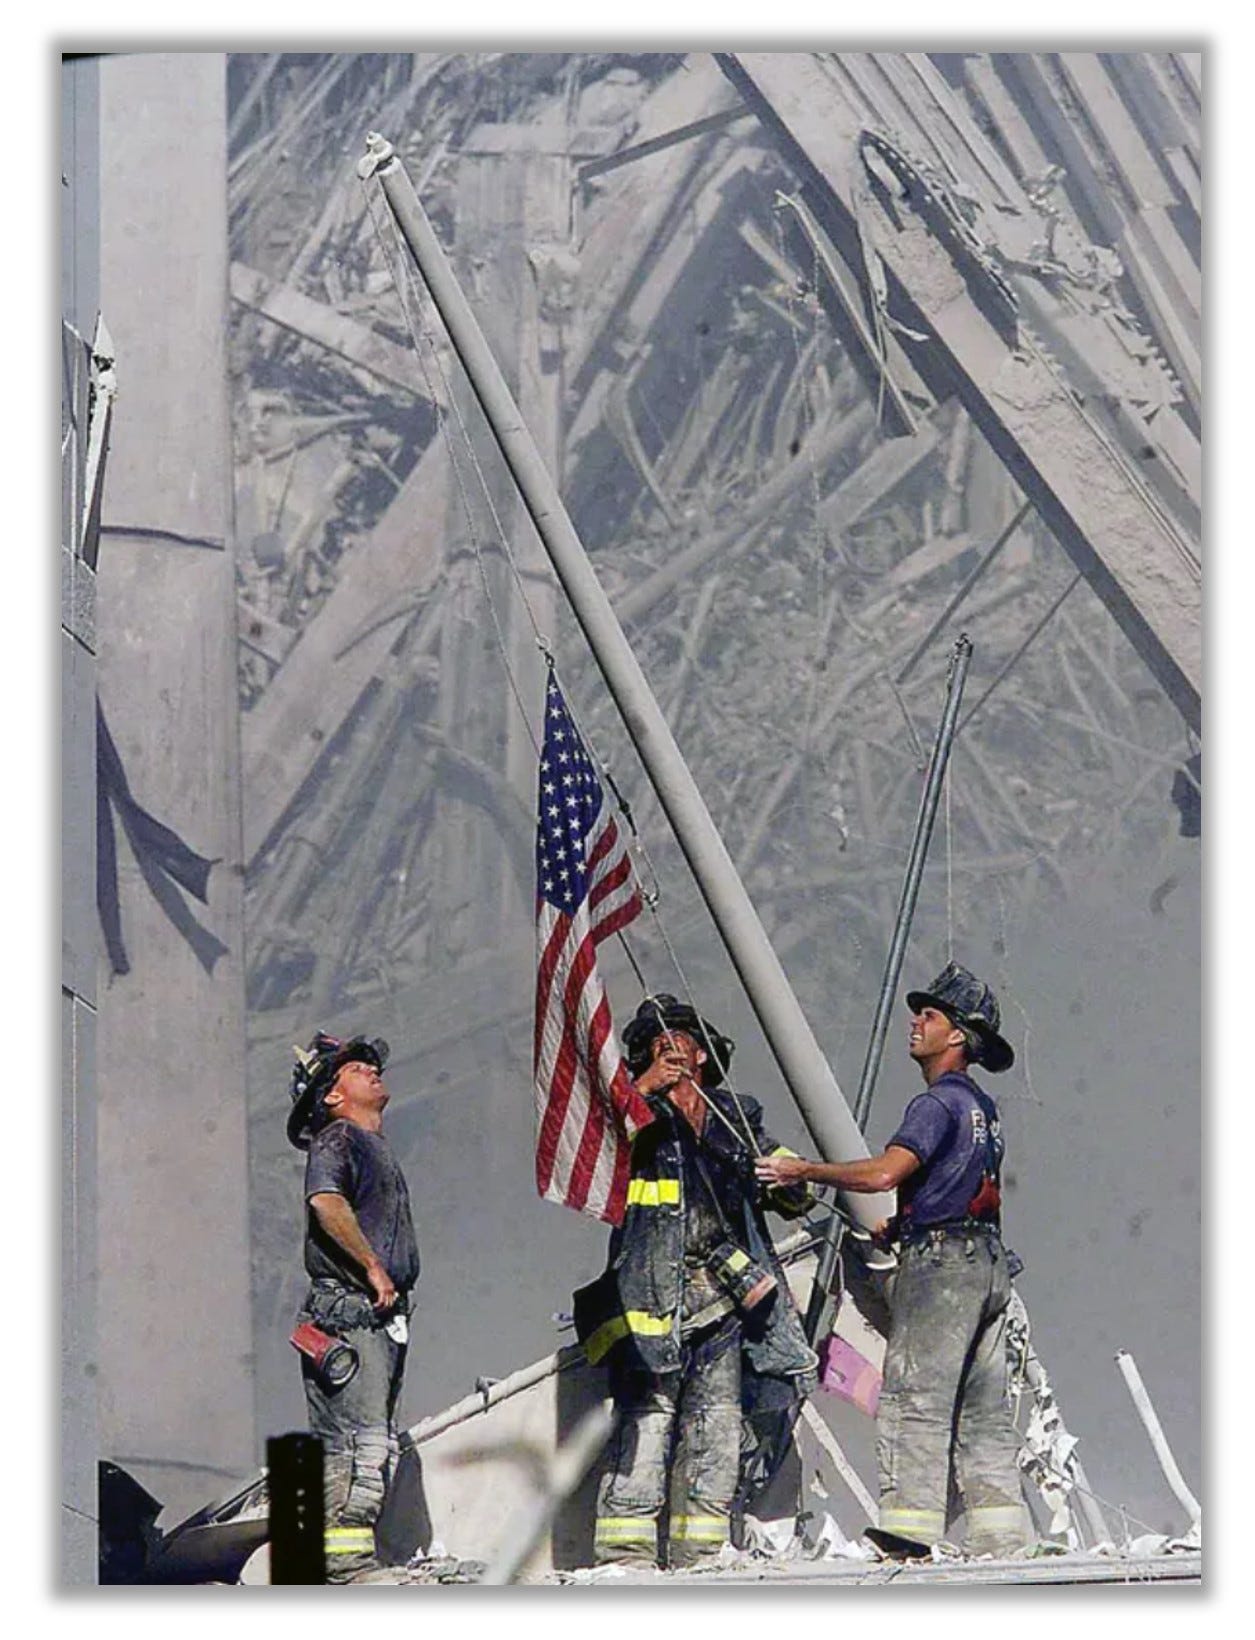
<point x="294" y="1479"/>
<point x="819" y="1312"/>
<point x="960" y="660"/>
<point x="944" y="618"/>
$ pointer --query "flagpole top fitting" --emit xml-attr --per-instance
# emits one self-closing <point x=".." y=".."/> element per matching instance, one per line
<point x="379" y="153"/>
<point x="543" y="644"/>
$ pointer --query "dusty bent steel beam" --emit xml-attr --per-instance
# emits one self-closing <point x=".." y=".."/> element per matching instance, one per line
<point x="1087" y="491"/>
<point x="336" y="332"/>
<point x="802" y="1063"/>
<point x="655" y="145"/>
<point x="987" y="558"/>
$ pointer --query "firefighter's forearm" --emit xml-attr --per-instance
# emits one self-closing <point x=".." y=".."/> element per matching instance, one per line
<point x="869" y="1175"/>
<point x="866" y="1175"/>
<point x="338" y="1219"/>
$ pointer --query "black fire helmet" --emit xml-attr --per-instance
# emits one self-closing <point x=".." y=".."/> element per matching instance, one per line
<point x="973" y="1007"/>
<point x="316" y="1068"/>
<point x="662" y="1012"/>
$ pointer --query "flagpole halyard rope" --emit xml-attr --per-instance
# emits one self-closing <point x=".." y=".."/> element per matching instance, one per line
<point x="410" y="300"/>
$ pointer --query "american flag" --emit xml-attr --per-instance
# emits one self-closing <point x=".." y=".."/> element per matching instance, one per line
<point x="587" y="1106"/>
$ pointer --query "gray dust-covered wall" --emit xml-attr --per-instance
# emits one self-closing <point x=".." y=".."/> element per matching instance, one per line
<point x="175" y="1350"/>
<point x="80" y="227"/>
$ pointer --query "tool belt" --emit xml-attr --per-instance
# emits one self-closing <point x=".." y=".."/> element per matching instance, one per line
<point x="911" y="1235"/>
<point x="989" y="1229"/>
<point x="336" y="1308"/>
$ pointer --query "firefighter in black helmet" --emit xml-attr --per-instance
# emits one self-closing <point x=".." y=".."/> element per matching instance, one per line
<point x="944" y="1416"/>
<point x="362" y="1259"/>
<point x="693" y="1309"/>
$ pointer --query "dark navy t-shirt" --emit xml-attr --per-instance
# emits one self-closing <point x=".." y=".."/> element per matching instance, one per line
<point x="345" y="1159"/>
<point x="947" y="1127"/>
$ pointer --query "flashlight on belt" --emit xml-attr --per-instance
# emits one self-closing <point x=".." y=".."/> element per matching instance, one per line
<point x="745" y="1282"/>
<point x="333" y="1360"/>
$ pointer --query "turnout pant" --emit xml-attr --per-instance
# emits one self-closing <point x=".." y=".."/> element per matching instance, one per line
<point x="945" y="1418"/>
<point x="357" y="1424"/>
<point x="676" y="1446"/>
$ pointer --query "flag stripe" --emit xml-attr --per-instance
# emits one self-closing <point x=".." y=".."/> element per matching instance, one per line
<point x="605" y="886"/>
<point x="550" y="1108"/>
<point x="619" y="918"/>
<point x="587" y="1107"/>
<point x="589" y="1149"/>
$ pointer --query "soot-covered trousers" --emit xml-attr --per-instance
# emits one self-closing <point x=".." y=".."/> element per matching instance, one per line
<point x="357" y="1423"/>
<point x="944" y="1412"/>
<point x="677" y="1446"/>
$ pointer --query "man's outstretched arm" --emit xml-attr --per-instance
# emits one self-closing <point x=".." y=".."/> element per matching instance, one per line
<point x="870" y="1174"/>
<point x="339" y="1220"/>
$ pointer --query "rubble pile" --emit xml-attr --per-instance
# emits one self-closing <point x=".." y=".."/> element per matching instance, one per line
<point x="779" y="654"/>
<point x="792" y="513"/>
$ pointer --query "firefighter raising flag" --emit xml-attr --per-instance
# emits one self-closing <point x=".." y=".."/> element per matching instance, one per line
<point x="587" y="1106"/>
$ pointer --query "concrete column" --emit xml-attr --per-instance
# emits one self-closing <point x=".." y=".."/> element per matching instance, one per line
<point x="80" y="161"/>
<point x="175" y="1345"/>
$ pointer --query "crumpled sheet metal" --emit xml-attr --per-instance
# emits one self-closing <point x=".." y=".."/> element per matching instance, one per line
<point x="1047" y="1457"/>
<point x="1046" y="1460"/>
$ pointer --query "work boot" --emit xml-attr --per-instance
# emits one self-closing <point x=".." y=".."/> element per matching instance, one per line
<point x="894" y="1547"/>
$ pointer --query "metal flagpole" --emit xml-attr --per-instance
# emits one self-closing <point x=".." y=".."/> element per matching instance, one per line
<point x="802" y="1063"/>
<point x="960" y="660"/>
<point x="820" y="1310"/>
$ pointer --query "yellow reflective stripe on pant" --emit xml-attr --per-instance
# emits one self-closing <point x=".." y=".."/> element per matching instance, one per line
<point x="923" y="1525"/>
<point x="626" y="1529"/>
<point x="349" y="1540"/>
<point x="700" y="1528"/>
<point x="619" y="1326"/>
<point x="1002" y="1520"/>
<point x="654" y="1193"/>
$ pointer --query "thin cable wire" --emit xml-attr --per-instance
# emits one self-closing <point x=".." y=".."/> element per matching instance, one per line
<point x="688" y="995"/>
<point x="1019" y="653"/>
<point x="1008" y="990"/>
<point x="631" y="957"/>
<point x="949" y="863"/>
<point x="410" y="294"/>
<point x="410" y="300"/>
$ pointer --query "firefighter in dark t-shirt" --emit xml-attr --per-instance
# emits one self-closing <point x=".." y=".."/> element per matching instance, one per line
<point x="362" y="1259"/>
<point x="944" y="1417"/>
